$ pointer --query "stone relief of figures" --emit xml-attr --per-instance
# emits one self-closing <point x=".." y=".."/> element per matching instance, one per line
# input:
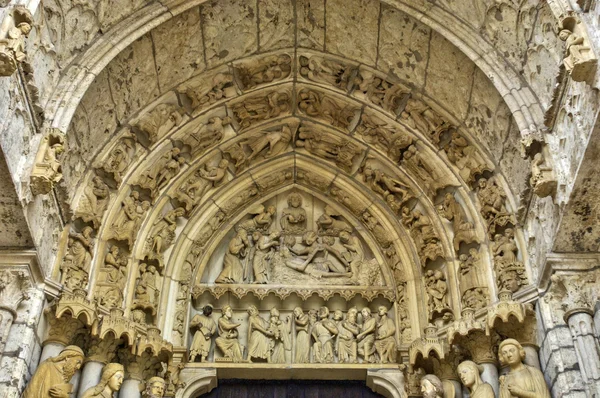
<point x="326" y="71"/>
<point x="425" y="237"/>
<point x="146" y="292"/>
<point x="580" y="60"/>
<point x="382" y="93"/>
<point x="233" y="269"/>
<point x="120" y="157"/>
<point x="266" y="70"/>
<point x="436" y="287"/>
<point x="341" y="151"/>
<point x="331" y="223"/>
<point x="112" y="278"/>
<point x="205" y="328"/>
<point x="314" y="336"/>
<point x="200" y="182"/>
<point x="464" y="231"/>
<point x="262" y="108"/>
<point x="466" y="157"/>
<point x="314" y="104"/>
<point x="94" y="202"/>
<point x="47" y="170"/>
<point x="415" y="163"/>
<point x="209" y="228"/>
<point x="263" y="145"/>
<point x="156" y="123"/>
<point x="162" y="234"/>
<point x="202" y="136"/>
<point x="161" y="171"/>
<point x="293" y="218"/>
<point x="493" y="204"/>
<point x="274" y="180"/>
<point x="353" y="203"/>
<point x="12" y="47"/>
<point x="127" y="222"/>
<point x="240" y="199"/>
<point x="228" y="342"/>
<point x="393" y="191"/>
<point x="472" y="280"/>
<point x="510" y="272"/>
<point x="75" y="267"/>
<point x="425" y="120"/>
<point x="205" y="92"/>
<point x="264" y="248"/>
<point x="262" y="218"/>
<point x="313" y="179"/>
<point x="376" y="229"/>
<point x="384" y="137"/>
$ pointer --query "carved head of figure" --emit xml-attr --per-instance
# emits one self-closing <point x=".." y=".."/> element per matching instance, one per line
<point x="223" y="163"/>
<point x="71" y="359"/>
<point x="295" y="200"/>
<point x="382" y="310"/>
<point x="227" y="311"/>
<point x="511" y="353"/>
<point x="256" y="235"/>
<point x="271" y="210"/>
<point x="510" y="280"/>
<point x="252" y="310"/>
<point x="564" y="34"/>
<point x="111" y="380"/>
<point x="298" y="312"/>
<point x="344" y="237"/>
<point x="352" y="314"/>
<point x="338" y="315"/>
<point x="366" y="313"/>
<point x="482" y="183"/>
<point x="207" y="310"/>
<point x="431" y="387"/>
<point x="309" y="238"/>
<point x="155" y="388"/>
<point x="323" y="312"/>
<point x="469" y="373"/>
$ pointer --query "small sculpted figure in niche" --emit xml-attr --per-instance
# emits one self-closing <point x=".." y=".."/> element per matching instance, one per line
<point x="112" y="278"/>
<point x="437" y="289"/>
<point x="375" y="227"/>
<point x="522" y="381"/>
<point x="52" y="377"/>
<point x="233" y="270"/>
<point x="155" y="388"/>
<point x="316" y="263"/>
<point x="201" y="182"/>
<point x="227" y="341"/>
<point x="259" y="108"/>
<point x="263" y="254"/>
<point x="272" y="68"/>
<point x="330" y="224"/>
<point x="324" y="332"/>
<point x="280" y="340"/>
<point x="451" y="210"/>
<point x="162" y="234"/>
<point x="206" y="327"/>
<point x="470" y="376"/>
<point x="211" y="226"/>
<point x="262" y="220"/>
<point x="110" y="382"/>
<point x="579" y="59"/>
<point x="12" y="48"/>
<point x="346" y="346"/>
<point x="326" y="71"/>
<point x="94" y="202"/>
<point x="491" y="198"/>
<point x="542" y="178"/>
<point x="259" y="336"/>
<point x="162" y="170"/>
<point x="383" y="184"/>
<point x="79" y="255"/>
<point x="129" y="219"/>
<point x="276" y="141"/>
<point x="416" y="164"/>
<point x="385" y="341"/>
<point x="293" y="218"/>
<point x="366" y="337"/>
<point x="119" y="158"/>
<point x="354" y="254"/>
<point x="432" y="387"/>
<point x="302" y="336"/>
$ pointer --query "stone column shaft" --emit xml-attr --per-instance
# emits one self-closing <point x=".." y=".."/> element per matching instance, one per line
<point x="586" y="344"/>
<point x="130" y="389"/>
<point x="6" y="320"/>
<point x="490" y="376"/>
<point x="90" y="376"/>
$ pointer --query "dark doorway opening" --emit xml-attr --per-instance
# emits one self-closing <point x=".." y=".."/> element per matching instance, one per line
<point x="236" y="388"/>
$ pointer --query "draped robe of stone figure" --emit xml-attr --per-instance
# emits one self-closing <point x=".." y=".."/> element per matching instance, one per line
<point x="527" y="379"/>
<point x="233" y="270"/>
<point x="385" y="343"/>
<point x="348" y="330"/>
<point x="228" y="336"/>
<point x="51" y="378"/>
<point x="366" y="337"/>
<point x="201" y="342"/>
<point x="280" y="342"/>
<point x="324" y="332"/>
<point x="302" y="336"/>
<point x="258" y="335"/>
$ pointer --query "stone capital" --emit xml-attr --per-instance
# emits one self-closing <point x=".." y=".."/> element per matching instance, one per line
<point x="102" y="350"/>
<point x="14" y="284"/>
<point x="62" y="330"/>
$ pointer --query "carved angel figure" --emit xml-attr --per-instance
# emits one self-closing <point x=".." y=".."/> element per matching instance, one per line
<point x="119" y="158"/>
<point x="261" y="220"/>
<point x="276" y="142"/>
<point x="327" y="71"/>
<point x="201" y="182"/>
<point x="256" y="109"/>
<point x="270" y="69"/>
<point x="313" y="104"/>
<point x="330" y="223"/>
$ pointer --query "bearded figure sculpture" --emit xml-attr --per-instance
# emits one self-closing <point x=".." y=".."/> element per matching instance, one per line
<point x="110" y="382"/>
<point x="155" y="388"/>
<point x="52" y="377"/>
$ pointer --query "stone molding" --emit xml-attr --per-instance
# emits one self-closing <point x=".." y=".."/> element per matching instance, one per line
<point x="387" y="382"/>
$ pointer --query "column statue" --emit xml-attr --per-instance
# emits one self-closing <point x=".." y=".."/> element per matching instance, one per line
<point x="110" y="382"/>
<point x="51" y="379"/>
<point x="470" y="376"/>
<point x="155" y="388"/>
<point x="432" y="387"/>
<point x="522" y="381"/>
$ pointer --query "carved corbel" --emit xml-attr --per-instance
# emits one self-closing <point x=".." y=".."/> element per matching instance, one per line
<point x="481" y="347"/>
<point x="47" y="169"/>
<point x="13" y="289"/>
<point x="12" y="46"/>
<point x="77" y="306"/>
<point x="543" y="180"/>
<point x="580" y="60"/>
<point x="430" y="344"/>
<point x="464" y="326"/>
<point x="154" y="343"/>
<point x="572" y="293"/>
